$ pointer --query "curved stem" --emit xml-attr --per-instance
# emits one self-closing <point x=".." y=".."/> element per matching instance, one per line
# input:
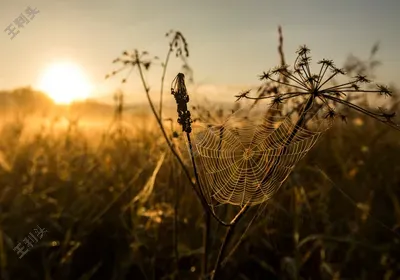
<point x="160" y="124"/>
<point x="224" y="247"/>
<point x="162" y="81"/>
<point x="296" y="128"/>
<point x="198" y="191"/>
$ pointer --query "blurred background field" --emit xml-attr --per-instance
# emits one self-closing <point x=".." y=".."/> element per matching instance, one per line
<point x="115" y="202"/>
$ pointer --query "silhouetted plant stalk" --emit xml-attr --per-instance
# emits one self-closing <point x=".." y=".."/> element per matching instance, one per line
<point x="177" y="196"/>
<point x="266" y="88"/>
<point x="178" y="90"/>
<point x="179" y="44"/>
<point x="229" y="234"/>
<point x="142" y="61"/>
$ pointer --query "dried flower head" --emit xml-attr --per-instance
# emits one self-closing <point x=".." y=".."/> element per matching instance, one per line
<point x="178" y="43"/>
<point x="178" y="90"/>
<point x="131" y="60"/>
<point x="302" y="82"/>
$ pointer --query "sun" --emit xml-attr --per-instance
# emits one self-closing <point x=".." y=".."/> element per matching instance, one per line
<point x="64" y="82"/>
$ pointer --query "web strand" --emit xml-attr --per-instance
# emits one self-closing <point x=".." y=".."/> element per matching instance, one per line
<point x="234" y="157"/>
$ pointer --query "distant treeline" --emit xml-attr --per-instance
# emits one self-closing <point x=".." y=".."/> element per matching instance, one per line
<point x="28" y="101"/>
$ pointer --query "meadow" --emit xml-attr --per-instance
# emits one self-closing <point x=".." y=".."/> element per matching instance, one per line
<point x="117" y="204"/>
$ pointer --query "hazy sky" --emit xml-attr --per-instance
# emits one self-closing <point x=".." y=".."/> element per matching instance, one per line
<point x="231" y="42"/>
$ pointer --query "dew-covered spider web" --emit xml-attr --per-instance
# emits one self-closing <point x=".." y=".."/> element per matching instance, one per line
<point x="246" y="158"/>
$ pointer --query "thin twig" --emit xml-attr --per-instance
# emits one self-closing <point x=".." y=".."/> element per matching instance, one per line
<point x="162" y="80"/>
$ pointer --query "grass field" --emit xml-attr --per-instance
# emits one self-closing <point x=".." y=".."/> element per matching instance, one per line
<point x="83" y="193"/>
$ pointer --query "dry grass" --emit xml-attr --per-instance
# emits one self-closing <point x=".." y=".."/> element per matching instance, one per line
<point x="81" y="193"/>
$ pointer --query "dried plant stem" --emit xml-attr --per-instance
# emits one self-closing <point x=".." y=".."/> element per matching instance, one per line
<point x="230" y="230"/>
<point x="186" y="171"/>
<point x="296" y="225"/>
<point x="228" y="236"/>
<point x="182" y="99"/>
<point x="206" y="244"/>
<point x="163" y="79"/>
<point x="283" y="78"/>
<point x="176" y="222"/>
<point x="159" y="121"/>
<point x="232" y="251"/>
<point x="302" y="119"/>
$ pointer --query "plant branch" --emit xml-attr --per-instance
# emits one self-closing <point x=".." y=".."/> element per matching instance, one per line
<point x="228" y="236"/>
<point x="162" y="80"/>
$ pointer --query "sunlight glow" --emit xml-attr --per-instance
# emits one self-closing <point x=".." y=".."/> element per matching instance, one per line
<point x="64" y="83"/>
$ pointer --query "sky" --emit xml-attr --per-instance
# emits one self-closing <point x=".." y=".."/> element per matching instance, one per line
<point x="230" y="42"/>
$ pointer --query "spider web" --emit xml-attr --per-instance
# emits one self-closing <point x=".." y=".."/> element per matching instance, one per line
<point x="245" y="159"/>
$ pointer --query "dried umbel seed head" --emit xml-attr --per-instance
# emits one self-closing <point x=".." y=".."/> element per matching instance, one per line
<point x="131" y="60"/>
<point x="178" y="43"/>
<point x="302" y="82"/>
<point x="178" y="90"/>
